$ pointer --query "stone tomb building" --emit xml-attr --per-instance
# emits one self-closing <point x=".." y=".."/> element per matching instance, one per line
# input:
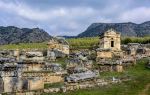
<point x="110" y="40"/>
<point x="110" y="45"/>
<point x="109" y="49"/>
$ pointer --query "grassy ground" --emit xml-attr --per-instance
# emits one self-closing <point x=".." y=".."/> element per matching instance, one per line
<point x="140" y="75"/>
<point x="62" y="61"/>
<point x="83" y="43"/>
<point x="53" y="85"/>
<point x="25" y="46"/>
<point x="140" y="78"/>
<point x="76" y="43"/>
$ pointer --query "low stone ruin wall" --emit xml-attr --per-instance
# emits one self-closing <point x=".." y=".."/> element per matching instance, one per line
<point x="1" y="85"/>
<point x="104" y="68"/>
<point x="47" y="77"/>
<point x="82" y="85"/>
<point x="85" y="85"/>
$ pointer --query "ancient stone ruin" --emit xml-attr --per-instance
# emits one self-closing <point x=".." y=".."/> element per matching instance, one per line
<point x="28" y="70"/>
<point x="109" y="52"/>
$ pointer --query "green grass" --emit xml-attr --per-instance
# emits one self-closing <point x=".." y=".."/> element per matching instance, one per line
<point x="148" y="92"/>
<point x="140" y="77"/>
<point x="50" y="85"/>
<point x="25" y="46"/>
<point x="142" y="40"/>
<point x="92" y="42"/>
<point x="83" y="43"/>
<point x="77" y="43"/>
<point x="62" y="61"/>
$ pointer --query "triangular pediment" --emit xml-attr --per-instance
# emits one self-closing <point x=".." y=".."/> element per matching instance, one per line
<point x="111" y="32"/>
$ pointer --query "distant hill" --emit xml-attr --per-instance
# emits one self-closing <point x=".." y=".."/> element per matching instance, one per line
<point x="67" y="37"/>
<point x="126" y="29"/>
<point x="14" y="35"/>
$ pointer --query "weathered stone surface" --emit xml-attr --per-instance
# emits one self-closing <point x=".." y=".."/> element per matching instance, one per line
<point x="109" y="46"/>
<point x="35" y="84"/>
<point x="1" y="85"/>
<point x="60" y="46"/>
<point x="110" y="40"/>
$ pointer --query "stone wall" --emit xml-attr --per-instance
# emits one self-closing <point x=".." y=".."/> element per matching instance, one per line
<point x="35" y="84"/>
<point x="1" y="85"/>
<point x="53" y="79"/>
<point x="104" y="54"/>
<point x="9" y="84"/>
<point x="60" y="47"/>
<point x="31" y="66"/>
<point x="115" y="67"/>
<point x="46" y="77"/>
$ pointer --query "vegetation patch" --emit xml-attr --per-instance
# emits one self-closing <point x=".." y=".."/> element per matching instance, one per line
<point x="53" y="85"/>
<point x="76" y="43"/>
<point x="140" y="78"/>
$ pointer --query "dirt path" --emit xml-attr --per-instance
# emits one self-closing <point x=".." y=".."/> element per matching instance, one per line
<point x="145" y="90"/>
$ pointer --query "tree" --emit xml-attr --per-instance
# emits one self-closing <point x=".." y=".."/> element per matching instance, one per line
<point x="126" y="41"/>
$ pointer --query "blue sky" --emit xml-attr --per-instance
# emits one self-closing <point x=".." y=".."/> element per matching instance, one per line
<point x="71" y="17"/>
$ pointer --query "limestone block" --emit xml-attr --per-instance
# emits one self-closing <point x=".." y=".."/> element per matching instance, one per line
<point x="104" y="54"/>
<point x="53" y="79"/>
<point x="119" y="68"/>
<point x="35" y="84"/>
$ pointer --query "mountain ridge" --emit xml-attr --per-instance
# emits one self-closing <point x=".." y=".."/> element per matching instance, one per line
<point x="14" y="35"/>
<point x="126" y="29"/>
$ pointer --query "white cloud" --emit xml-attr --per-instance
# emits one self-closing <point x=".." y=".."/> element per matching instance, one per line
<point x="61" y="20"/>
<point x="138" y="15"/>
<point x="24" y="11"/>
<point x="42" y="15"/>
<point x="69" y="20"/>
<point x="58" y="21"/>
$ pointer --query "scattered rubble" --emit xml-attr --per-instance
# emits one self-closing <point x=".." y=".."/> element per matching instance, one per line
<point x="28" y="70"/>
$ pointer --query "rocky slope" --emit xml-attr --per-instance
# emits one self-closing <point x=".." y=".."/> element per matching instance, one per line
<point x="126" y="29"/>
<point x="14" y="35"/>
